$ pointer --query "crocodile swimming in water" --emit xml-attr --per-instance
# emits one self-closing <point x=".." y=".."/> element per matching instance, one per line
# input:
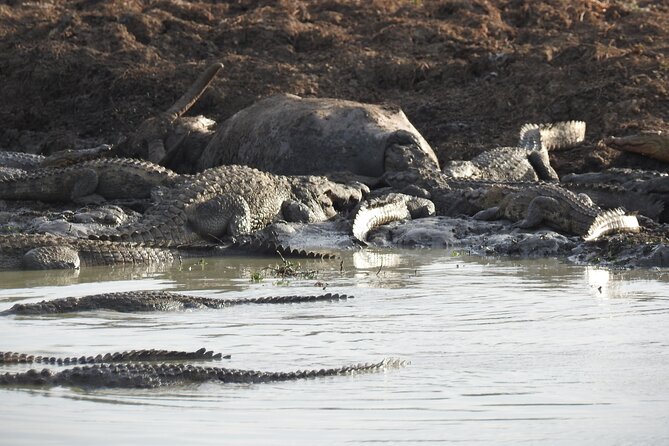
<point x="126" y="356"/>
<point x="141" y="374"/>
<point x="140" y="301"/>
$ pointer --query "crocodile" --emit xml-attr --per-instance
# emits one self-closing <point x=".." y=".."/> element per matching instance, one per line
<point x="63" y="158"/>
<point x="652" y="144"/>
<point x="126" y="356"/>
<point x="528" y="161"/>
<point x="86" y="181"/>
<point x="531" y="204"/>
<point x="234" y="201"/>
<point x="140" y="301"/>
<point x="46" y="251"/>
<point x="386" y="208"/>
<point x="147" y="375"/>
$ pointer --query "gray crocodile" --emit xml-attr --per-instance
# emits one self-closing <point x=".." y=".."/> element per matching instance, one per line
<point x="63" y="158"/>
<point x="46" y="251"/>
<point x="234" y="201"/>
<point x="146" y="375"/>
<point x="94" y="180"/>
<point x="126" y="356"/>
<point x="387" y="208"/>
<point x="528" y="161"/>
<point x="140" y="301"/>
<point x="531" y="204"/>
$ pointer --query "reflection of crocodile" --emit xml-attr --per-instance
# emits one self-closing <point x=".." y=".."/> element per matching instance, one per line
<point x="136" y="301"/>
<point x="146" y="375"/>
<point x="526" y="162"/>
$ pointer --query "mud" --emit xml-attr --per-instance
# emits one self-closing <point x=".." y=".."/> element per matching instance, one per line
<point x="466" y="73"/>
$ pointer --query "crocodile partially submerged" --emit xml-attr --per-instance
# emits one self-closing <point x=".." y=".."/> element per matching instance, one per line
<point x="126" y="356"/>
<point x="146" y="375"/>
<point x="141" y="301"/>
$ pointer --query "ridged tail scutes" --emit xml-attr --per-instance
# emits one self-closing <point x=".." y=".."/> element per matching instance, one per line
<point x="552" y="136"/>
<point x="610" y="221"/>
<point x="369" y="218"/>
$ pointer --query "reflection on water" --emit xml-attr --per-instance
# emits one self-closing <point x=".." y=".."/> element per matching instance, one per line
<point x="502" y="352"/>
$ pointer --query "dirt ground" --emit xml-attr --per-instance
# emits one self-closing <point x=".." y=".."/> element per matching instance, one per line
<point x="467" y="73"/>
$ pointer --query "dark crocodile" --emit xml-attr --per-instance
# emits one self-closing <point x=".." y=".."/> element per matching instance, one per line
<point x="63" y="158"/>
<point x="531" y="204"/>
<point x="45" y="251"/>
<point x="642" y="191"/>
<point x="139" y="301"/>
<point x="528" y="161"/>
<point x="143" y="375"/>
<point x="126" y="356"/>
<point x="106" y="178"/>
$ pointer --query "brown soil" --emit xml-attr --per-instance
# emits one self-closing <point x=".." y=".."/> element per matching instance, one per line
<point x="468" y="73"/>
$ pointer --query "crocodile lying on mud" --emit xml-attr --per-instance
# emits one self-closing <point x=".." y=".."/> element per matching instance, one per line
<point x="373" y="144"/>
<point x="528" y="161"/>
<point x="140" y="301"/>
<point x="146" y="375"/>
<point x="45" y="251"/>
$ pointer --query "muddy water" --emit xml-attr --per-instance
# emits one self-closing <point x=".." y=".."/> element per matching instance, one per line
<point x="500" y="351"/>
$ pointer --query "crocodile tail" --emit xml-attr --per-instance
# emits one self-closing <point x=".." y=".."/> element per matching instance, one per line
<point x="269" y="247"/>
<point x="558" y="135"/>
<point x="185" y="102"/>
<point x="369" y="218"/>
<point x="610" y="221"/>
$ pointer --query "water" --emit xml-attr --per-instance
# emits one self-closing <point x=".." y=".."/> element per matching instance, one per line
<point x="501" y="352"/>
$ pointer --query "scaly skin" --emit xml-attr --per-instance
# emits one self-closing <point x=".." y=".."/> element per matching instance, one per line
<point x="530" y="204"/>
<point x="140" y="301"/>
<point x="528" y="161"/>
<point x="108" y="178"/>
<point x="132" y="355"/>
<point x="63" y="158"/>
<point x="654" y="145"/>
<point x="42" y="251"/>
<point x="234" y="201"/>
<point x="156" y="375"/>
<point x="388" y="208"/>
